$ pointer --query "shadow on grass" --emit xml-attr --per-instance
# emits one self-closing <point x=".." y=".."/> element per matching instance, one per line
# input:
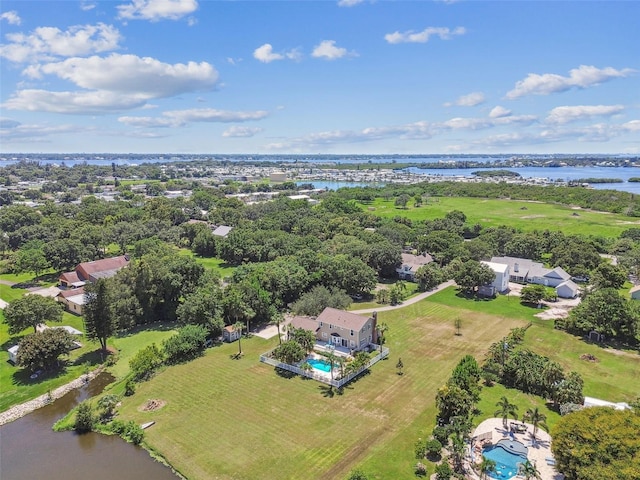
<point x="95" y="357"/>
<point x="282" y="373"/>
<point x="327" y="391"/>
<point x="23" y="376"/>
<point x="473" y="296"/>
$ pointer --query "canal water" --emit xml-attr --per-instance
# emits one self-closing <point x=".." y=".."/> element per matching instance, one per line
<point x="31" y="450"/>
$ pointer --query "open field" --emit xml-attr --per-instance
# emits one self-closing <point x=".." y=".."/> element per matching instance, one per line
<point x="257" y="424"/>
<point x="523" y="215"/>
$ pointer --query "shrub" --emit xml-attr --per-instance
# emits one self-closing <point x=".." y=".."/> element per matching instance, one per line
<point x="443" y="471"/>
<point x="420" y="448"/>
<point x="145" y="362"/>
<point x="441" y="434"/>
<point x="420" y="469"/>
<point x="84" y="418"/>
<point x="357" y="475"/>
<point x="129" y="387"/>
<point x="133" y="433"/>
<point x="433" y="448"/>
<point x="187" y="344"/>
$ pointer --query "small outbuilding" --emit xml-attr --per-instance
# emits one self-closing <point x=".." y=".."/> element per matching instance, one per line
<point x="13" y="354"/>
<point x="230" y="334"/>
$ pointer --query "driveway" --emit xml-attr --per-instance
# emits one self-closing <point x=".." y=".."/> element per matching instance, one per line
<point x="410" y="301"/>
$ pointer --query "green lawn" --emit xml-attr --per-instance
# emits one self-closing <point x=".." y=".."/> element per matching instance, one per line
<point x="257" y="424"/>
<point x="262" y="425"/>
<point x="215" y="264"/>
<point x="523" y="215"/>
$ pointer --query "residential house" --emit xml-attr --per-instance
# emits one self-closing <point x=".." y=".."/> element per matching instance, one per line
<point x="410" y="264"/>
<point x="230" y="334"/>
<point x="92" y="271"/>
<point x="73" y="299"/>
<point x="341" y="328"/>
<point x="523" y="270"/>
<point x="500" y="281"/>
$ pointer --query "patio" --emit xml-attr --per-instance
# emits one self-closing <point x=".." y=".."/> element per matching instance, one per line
<point x="492" y="430"/>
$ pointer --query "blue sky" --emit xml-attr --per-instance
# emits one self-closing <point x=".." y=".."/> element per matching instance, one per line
<point x="347" y="76"/>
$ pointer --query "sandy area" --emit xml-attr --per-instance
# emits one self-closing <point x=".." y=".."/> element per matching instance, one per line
<point x="537" y="453"/>
<point x="557" y="309"/>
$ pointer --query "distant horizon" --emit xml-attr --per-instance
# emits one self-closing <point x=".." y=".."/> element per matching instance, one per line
<point x="343" y="77"/>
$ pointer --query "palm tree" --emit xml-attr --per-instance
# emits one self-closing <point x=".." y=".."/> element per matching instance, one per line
<point x="506" y="408"/>
<point x="238" y="326"/>
<point x="487" y="466"/>
<point x="332" y="358"/>
<point x="529" y="471"/>
<point x="537" y="419"/>
<point x="382" y="329"/>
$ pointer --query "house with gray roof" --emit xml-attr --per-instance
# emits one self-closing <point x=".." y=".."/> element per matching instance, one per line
<point x="523" y="270"/>
<point x="410" y="264"/>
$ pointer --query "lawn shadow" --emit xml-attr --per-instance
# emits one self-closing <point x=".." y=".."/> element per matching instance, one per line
<point x="473" y="296"/>
<point x="92" y="358"/>
<point x="282" y="373"/>
<point x="23" y="376"/>
<point x="327" y="391"/>
<point x="157" y="326"/>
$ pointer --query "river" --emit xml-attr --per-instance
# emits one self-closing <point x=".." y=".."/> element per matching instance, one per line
<point x="31" y="450"/>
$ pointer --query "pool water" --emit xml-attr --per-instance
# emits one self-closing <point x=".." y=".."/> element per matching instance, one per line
<point x="506" y="462"/>
<point x="319" y="365"/>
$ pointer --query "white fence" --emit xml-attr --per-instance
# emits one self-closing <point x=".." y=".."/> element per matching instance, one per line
<point x="337" y="383"/>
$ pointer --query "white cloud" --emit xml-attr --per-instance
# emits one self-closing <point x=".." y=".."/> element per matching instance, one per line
<point x="11" y="17"/>
<point x="568" y="114"/>
<point x="47" y="43"/>
<point x="155" y="10"/>
<point x="498" y="111"/>
<point x="470" y="100"/>
<point x="241" y="132"/>
<point x="632" y="126"/>
<point x="265" y="54"/>
<point x="35" y="133"/>
<point x="86" y="6"/>
<point x="177" y="118"/>
<point x="130" y="74"/>
<point x="582" y="77"/>
<point x="349" y="3"/>
<point x="423" y="37"/>
<point x="327" y="49"/>
<point x="93" y="103"/>
<point x="8" y="123"/>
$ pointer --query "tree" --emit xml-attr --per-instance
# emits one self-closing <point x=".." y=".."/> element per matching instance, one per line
<point x="382" y="328"/>
<point x="204" y="307"/>
<point x="528" y="470"/>
<point x="506" y="408"/>
<point x="457" y="323"/>
<point x="532" y="294"/>
<point x="399" y="366"/>
<point x="402" y="200"/>
<point x="31" y="311"/>
<point x="596" y="443"/>
<point x="108" y="404"/>
<point x="487" y="466"/>
<point x="305" y="338"/>
<point x="290" y="352"/>
<point x="188" y="343"/>
<point x="41" y="350"/>
<point x="607" y="275"/>
<point x="537" y="419"/>
<point x="318" y="298"/>
<point x="99" y="321"/>
<point x="238" y="326"/>
<point x="235" y="306"/>
<point x="84" y="418"/>
<point x="31" y="259"/>
<point x="472" y="274"/>
<point x="429" y="276"/>
<point x="443" y="471"/>
<point x="357" y="475"/>
<point x="332" y="358"/>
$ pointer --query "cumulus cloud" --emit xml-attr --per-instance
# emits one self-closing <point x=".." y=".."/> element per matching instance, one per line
<point x="575" y="113"/>
<point x="632" y="126"/>
<point x="327" y="49"/>
<point x="444" y="33"/>
<point x="48" y="43"/>
<point x="582" y="77"/>
<point x="156" y="10"/>
<point x="130" y="74"/>
<point x="498" y="111"/>
<point x="93" y="103"/>
<point x="241" y="132"/>
<point x="265" y="54"/>
<point x="11" y="17"/>
<point x="178" y="118"/>
<point x="36" y="133"/>
<point x="470" y="100"/>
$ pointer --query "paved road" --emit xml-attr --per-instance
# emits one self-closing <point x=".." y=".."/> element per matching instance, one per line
<point x="410" y="301"/>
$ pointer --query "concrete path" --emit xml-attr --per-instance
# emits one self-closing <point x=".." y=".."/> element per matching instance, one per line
<point x="410" y="301"/>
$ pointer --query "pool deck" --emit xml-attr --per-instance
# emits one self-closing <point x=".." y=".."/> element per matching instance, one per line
<point x="538" y="451"/>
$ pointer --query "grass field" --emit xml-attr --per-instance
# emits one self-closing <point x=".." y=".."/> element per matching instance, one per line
<point x="523" y="215"/>
<point x="212" y="263"/>
<point x="239" y="419"/>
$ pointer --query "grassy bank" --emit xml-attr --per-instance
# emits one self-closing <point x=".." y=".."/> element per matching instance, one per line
<point x="523" y="215"/>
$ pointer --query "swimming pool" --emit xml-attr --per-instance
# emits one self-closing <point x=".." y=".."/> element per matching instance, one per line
<point x="507" y="455"/>
<point x="319" y="365"/>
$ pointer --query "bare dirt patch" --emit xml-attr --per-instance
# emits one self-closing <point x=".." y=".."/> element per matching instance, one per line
<point x="152" y="405"/>
<point x="553" y="313"/>
<point x="589" y="357"/>
<point x="526" y="217"/>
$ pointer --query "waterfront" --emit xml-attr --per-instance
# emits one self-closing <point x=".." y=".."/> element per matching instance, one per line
<point x="30" y="449"/>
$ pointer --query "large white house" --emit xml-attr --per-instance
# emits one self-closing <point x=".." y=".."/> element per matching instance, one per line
<point x="523" y="270"/>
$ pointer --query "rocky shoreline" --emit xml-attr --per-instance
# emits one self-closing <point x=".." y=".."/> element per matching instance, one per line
<point x="25" y="408"/>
